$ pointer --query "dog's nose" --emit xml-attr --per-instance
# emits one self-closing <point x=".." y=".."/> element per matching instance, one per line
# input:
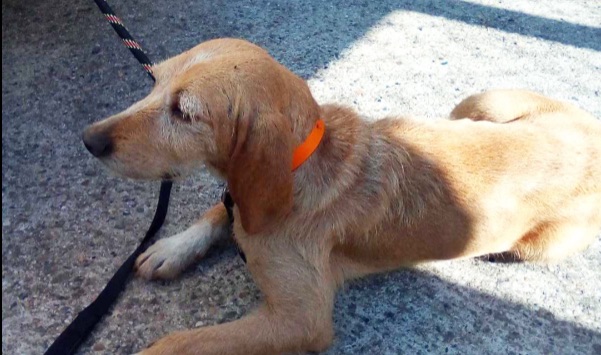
<point x="99" y="144"/>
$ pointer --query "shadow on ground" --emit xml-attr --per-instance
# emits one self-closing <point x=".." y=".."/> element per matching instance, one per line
<point x="431" y="315"/>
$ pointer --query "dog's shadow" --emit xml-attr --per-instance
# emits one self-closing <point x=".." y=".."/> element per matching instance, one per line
<point x="413" y="311"/>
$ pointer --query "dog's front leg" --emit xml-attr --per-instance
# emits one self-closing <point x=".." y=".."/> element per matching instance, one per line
<point x="262" y="333"/>
<point x="168" y="257"/>
<point x="296" y="315"/>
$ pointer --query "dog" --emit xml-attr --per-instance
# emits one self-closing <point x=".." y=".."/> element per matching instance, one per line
<point x="512" y="173"/>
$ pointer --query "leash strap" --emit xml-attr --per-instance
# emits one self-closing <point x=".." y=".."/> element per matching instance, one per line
<point x="134" y="47"/>
<point x="86" y="320"/>
<point x="75" y="334"/>
<point x="228" y="202"/>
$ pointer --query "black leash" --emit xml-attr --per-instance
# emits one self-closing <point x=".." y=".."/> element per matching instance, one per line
<point x="128" y="40"/>
<point x="72" y="337"/>
<point x="228" y="202"/>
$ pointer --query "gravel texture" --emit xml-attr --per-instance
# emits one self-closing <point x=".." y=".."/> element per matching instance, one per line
<point x="67" y="224"/>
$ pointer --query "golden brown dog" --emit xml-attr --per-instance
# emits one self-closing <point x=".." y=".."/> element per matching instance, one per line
<point x="513" y="172"/>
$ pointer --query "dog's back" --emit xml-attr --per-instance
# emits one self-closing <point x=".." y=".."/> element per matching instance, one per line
<point x="561" y="182"/>
<point x="529" y="188"/>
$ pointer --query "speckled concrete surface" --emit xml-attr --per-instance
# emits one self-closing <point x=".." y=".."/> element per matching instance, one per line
<point x="67" y="224"/>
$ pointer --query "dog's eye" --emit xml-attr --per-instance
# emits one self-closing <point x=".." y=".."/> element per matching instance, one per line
<point x="177" y="112"/>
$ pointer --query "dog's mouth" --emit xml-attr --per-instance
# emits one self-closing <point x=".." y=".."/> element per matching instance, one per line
<point x="142" y="169"/>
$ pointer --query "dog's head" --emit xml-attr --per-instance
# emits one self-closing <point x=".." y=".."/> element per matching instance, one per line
<point x="225" y="104"/>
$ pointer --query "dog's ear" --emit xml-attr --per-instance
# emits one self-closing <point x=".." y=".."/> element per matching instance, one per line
<point x="259" y="173"/>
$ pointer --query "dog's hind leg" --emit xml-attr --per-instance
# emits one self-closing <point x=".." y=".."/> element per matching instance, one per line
<point x="555" y="241"/>
<point x="504" y="106"/>
<point x="168" y="257"/>
<point x="576" y="227"/>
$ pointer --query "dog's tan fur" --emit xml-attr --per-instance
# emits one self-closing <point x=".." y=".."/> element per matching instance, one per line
<point x="513" y="172"/>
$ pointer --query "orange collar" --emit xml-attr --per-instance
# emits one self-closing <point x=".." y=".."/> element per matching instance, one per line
<point x="304" y="151"/>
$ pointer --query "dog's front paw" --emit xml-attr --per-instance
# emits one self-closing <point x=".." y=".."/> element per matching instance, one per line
<point x="169" y="257"/>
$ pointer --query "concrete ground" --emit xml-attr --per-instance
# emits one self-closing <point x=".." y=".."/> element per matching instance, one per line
<point x="67" y="223"/>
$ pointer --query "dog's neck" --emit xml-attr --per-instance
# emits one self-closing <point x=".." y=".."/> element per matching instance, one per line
<point x="338" y="158"/>
<point x="371" y="165"/>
